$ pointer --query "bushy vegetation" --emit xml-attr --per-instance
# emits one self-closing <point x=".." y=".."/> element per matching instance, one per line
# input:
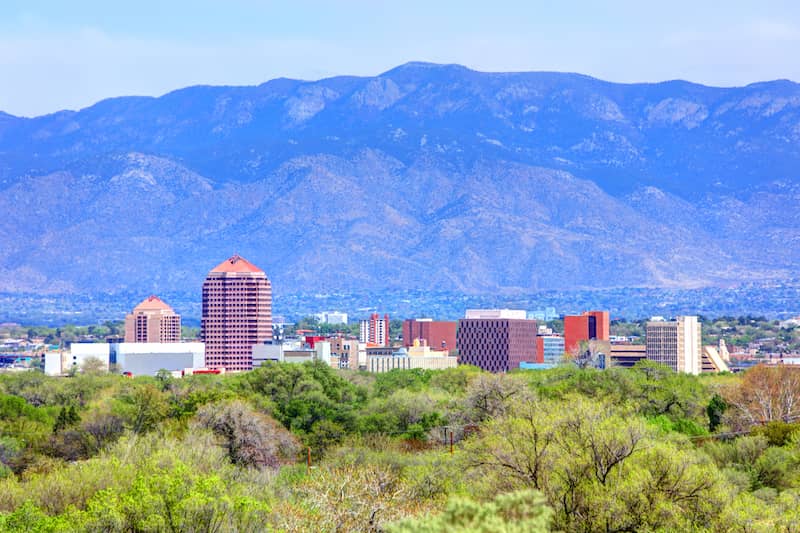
<point x="566" y="449"/>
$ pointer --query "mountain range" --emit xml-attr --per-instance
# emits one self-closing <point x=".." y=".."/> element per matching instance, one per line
<point x="426" y="176"/>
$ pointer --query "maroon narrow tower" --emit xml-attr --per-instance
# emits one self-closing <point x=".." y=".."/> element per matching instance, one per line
<point x="237" y="313"/>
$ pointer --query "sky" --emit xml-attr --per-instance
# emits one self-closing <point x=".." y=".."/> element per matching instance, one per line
<point x="57" y="54"/>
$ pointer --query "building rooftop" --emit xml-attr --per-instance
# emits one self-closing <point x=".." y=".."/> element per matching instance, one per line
<point x="517" y="314"/>
<point x="236" y="263"/>
<point x="152" y="303"/>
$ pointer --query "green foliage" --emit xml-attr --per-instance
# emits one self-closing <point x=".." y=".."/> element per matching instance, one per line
<point x="621" y="449"/>
<point x="715" y="409"/>
<point x="301" y="395"/>
<point x="523" y="511"/>
<point x="413" y="379"/>
<point x="680" y="425"/>
<point x="777" y="432"/>
<point x="142" y="407"/>
<point x="67" y="417"/>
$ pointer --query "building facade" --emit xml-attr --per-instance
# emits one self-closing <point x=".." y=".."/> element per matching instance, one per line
<point x="438" y="335"/>
<point x="375" y="330"/>
<point x="136" y="358"/>
<point x="625" y="355"/>
<point x="332" y="317"/>
<point x="591" y="325"/>
<point x="496" y="344"/>
<point x="676" y="343"/>
<point x="237" y="313"/>
<point x="153" y="321"/>
<point x="346" y="351"/>
<point x="381" y="363"/>
<point x="549" y="349"/>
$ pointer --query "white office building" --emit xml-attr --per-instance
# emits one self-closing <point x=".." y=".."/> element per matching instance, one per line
<point x="138" y="358"/>
<point x="332" y="317"/>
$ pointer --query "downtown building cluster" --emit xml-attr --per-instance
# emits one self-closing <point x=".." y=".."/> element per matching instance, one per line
<point x="237" y="334"/>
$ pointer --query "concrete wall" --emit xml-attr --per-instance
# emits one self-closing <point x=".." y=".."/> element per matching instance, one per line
<point x="138" y="358"/>
<point x="147" y="358"/>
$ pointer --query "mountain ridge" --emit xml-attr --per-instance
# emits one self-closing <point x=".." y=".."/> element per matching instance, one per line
<point x="423" y="176"/>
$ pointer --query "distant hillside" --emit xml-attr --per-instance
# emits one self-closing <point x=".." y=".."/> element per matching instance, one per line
<point x="425" y="176"/>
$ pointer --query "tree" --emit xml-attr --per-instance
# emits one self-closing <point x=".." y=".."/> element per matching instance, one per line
<point x="765" y="394"/>
<point x="588" y="354"/>
<point x="353" y="498"/>
<point x="67" y="417"/>
<point x="143" y="408"/>
<point x="524" y="511"/>
<point x="489" y="395"/>
<point x="716" y="408"/>
<point x="597" y="466"/>
<point x="93" y="365"/>
<point x="101" y="430"/>
<point x="251" y="438"/>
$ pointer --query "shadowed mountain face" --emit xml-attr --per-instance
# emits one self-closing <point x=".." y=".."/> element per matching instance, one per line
<point x="425" y="176"/>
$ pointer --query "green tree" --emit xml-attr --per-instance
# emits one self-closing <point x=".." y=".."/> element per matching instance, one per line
<point x="523" y="511"/>
<point x="716" y="408"/>
<point x="143" y="407"/>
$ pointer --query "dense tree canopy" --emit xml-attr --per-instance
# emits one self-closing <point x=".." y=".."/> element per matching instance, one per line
<point x="566" y="449"/>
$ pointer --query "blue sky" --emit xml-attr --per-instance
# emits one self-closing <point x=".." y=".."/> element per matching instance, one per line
<point x="67" y="55"/>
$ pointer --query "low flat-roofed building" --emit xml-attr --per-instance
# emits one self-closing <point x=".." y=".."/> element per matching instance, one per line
<point x="535" y="366"/>
<point x="515" y="314"/>
<point x="385" y="364"/>
<point x="291" y="352"/>
<point x="379" y="351"/>
<point x="77" y="356"/>
<point x="147" y="358"/>
<point x="138" y="358"/>
<point x="625" y="355"/>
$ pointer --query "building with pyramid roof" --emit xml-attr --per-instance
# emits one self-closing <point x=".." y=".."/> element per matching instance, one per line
<point x="153" y="321"/>
<point x="237" y="313"/>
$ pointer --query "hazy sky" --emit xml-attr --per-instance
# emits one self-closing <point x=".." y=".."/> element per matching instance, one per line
<point x="61" y="54"/>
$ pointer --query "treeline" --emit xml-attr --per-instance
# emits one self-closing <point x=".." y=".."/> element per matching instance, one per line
<point x="69" y="333"/>
<point x="566" y="449"/>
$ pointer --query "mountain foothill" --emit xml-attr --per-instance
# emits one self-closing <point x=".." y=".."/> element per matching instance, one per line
<point x="424" y="176"/>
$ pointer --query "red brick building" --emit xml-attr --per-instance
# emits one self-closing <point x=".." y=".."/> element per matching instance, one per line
<point x="496" y="344"/>
<point x="591" y="325"/>
<point x="237" y="313"/>
<point x="436" y="334"/>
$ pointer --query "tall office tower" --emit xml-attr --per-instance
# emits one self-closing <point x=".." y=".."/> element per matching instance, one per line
<point x="676" y="344"/>
<point x="591" y="325"/>
<point x="153" y="321"/>
<point x="375" y="330"/>
<point x="497" y="340"/>
<point x="237" y="313"/>
<point x="438" y="335"/>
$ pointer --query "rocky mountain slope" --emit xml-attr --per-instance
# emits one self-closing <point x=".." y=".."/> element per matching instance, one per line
<point x="424" y="176"/>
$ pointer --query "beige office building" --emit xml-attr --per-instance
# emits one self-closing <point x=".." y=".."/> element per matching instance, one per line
<point x="153" y="321"/>
<point x="676" y="343"/>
